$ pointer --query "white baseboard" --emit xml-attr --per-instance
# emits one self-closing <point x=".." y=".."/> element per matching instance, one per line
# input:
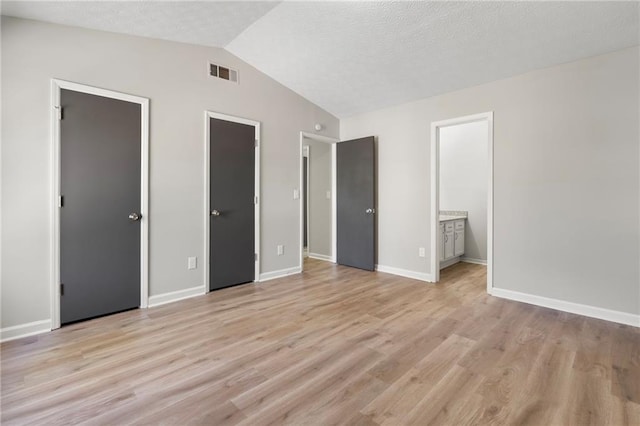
<point x="449" y="262"/>
<point x="320" y="257"/>
<point x="174" y="296"/>
<point x="574" y="308"/>
<point x="280" y="273"/>
<point x="474" y="261"/>
<point x="422" y="276"/>
<point x="24" y="330"/>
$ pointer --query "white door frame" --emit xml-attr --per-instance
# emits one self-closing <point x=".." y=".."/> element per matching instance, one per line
<point x="333" y="142"/>
<point x="435" y="190"/>
<point x="56" y="87"/>
<point x="207" y="187"/>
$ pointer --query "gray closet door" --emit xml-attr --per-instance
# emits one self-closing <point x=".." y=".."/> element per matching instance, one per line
<point x="100" y="176"/>
<point x="232" y="203"/>
<point x="305" y="199"/>
<point x="356" y="203"/>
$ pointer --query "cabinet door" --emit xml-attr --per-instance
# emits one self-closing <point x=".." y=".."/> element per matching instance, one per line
<point x="458" y="243"/>
<point x="448" y="244"/>
<point x="441" y="241"/>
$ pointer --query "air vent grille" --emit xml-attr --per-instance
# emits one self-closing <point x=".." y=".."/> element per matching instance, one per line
<point x="222" y="72"/>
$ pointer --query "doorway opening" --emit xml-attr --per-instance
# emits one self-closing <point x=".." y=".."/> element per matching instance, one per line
<point x="317" y="197"/>
<point x="462" y="193"/>
<point x="93" y="221"/>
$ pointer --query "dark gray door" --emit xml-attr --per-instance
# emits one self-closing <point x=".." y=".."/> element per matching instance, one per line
<point x="100" y="185"/>
<point x="356" y="203"/>
<point x="232" y="203"/>
<point x="305" y="199"/>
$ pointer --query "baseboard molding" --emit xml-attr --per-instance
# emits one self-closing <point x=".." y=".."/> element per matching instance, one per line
<point x="174" y="296"/>
<point x="573" y="308"/>
<point x="25" y="330"/>
<point x="280" y="273"/>
<point x="449" y="262"/>
<point x="474" y="261"/>
<point x="422" y="276"/>
<point x="321" y="257"/>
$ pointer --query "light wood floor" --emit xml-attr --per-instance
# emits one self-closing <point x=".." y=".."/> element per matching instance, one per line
<point x="334" y="345"/>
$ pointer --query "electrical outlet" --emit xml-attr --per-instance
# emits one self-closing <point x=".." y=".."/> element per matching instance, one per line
<point x="280" y="250"/>
<point x="421" y="252"/>
<point x="296" y="194"/>
<point x="328" y="195"/>
<point x="192" y="263"/>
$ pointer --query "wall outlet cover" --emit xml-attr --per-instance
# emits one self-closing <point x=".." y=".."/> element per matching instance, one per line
<point x="192" y="263"/>
<point x="421" y="252"/>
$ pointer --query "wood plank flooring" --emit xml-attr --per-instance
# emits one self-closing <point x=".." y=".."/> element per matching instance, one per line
<point x="333" y="345"/>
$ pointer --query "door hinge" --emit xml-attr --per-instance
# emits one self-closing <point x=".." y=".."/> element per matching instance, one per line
<point x="59" y="109"/>
<point x="255" y="200"/>
<point x="61" y="289"/>
<point x="255" y="256"/>
<point x="255" y="143"/>
<point x="61" y="201"/>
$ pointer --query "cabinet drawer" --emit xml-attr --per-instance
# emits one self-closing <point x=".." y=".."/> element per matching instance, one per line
<point x="459" y="224"/>
<point x="448" y="226"/>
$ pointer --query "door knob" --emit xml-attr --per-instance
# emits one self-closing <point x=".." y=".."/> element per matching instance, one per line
<point x="215" y="213"/>
<point x="369" y="211"/>
<point x="135" y="216"/>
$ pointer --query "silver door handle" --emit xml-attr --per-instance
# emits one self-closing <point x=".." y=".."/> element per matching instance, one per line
<point x="215" y="213"/>
<point x="135" y="216"/>
<point x="370" y="211"/>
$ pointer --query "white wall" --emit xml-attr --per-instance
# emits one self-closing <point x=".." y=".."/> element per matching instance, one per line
<point x="319" y="204"/>
<point x="173" y="76"/>
<point x="464" y="178"/>
<point x="566" y="170"/>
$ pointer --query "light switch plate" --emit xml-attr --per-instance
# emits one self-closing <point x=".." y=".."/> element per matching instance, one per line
<point x="280" y="250"/>
<point x="328" y="195"/>
<point x="296" y="194"/>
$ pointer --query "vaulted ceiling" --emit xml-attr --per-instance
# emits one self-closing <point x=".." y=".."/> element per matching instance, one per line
<point x="353" y="57"/>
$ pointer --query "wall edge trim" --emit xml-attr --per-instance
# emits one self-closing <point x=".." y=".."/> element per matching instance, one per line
<point x="319" y="256"/>
<point x="174" y="296"/>
<point x="267" y="276"/>
<point x="570" y="307"/>
<point x="422" y="276"/>
<point x="24" y="330"/>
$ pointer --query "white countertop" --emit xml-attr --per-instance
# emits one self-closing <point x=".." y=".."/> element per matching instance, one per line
<point x="445" y="218"/>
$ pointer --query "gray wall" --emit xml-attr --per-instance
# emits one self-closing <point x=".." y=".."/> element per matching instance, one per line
<point x="464" y="179"/>
<point x="566" y="191"/>
<point x="319" y="204"/>
<point x="173" y="76"/>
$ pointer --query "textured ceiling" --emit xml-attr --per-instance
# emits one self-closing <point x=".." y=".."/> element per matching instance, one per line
<point x="197" y="22"/>
<point x="353" y="57"/>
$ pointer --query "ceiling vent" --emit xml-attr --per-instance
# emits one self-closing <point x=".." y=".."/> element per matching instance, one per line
<point x="225" y="73"/>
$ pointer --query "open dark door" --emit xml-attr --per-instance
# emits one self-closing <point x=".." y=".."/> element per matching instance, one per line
<point x="232" y="203"/>
<point x="356" y="203"/>
<point x="100" y="176"/>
